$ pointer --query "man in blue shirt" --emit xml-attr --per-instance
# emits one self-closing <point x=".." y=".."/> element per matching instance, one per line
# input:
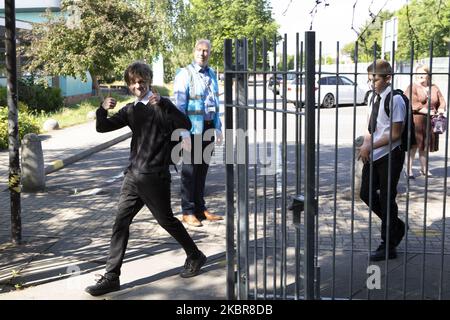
<point x="197" y="95"/>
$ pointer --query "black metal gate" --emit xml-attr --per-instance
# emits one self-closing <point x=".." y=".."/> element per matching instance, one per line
<point x="295" y="230"/>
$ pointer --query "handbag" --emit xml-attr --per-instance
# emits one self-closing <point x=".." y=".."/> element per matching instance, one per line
<point x="439" y="124"/>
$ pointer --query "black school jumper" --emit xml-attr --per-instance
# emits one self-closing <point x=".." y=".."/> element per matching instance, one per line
<point x="147" y="178"/>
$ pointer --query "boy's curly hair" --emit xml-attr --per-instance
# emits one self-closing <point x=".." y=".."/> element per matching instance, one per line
<point x="138" y="69"/>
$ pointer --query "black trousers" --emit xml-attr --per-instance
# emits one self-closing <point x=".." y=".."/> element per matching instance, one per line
<point x="193" y="173"/>
<point x="153" y="190"/>
<point x="380" y="200"/>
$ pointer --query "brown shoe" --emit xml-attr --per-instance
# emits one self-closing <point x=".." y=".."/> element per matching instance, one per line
<point x="200" y="216"/>
<point x="191" y="220"/>
<point x="212" y="217"/>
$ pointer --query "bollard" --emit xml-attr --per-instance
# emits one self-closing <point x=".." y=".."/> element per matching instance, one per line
<point x="358" y="165"/>
<point x="297" y="206"/>
<point x="33" y="173"/>
<point x="50" y="124"/>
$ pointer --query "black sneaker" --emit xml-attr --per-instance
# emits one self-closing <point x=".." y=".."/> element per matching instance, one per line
<point x="380" y="253"/>
<point x="104" y="285"/>
<point x="192" y="266"/>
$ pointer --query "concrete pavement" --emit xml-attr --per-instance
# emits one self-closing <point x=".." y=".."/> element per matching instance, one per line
<point x="62" y="147"/>
<point x="66" y="229"/>
<point x="66" y="232"/>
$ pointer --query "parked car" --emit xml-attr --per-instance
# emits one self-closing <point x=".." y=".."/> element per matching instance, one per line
<point x="289" y="77"/>
<point x="328" y="91"/>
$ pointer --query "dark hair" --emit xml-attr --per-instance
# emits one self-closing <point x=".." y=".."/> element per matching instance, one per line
<point x="138" y="69"/>
<point x="380" y="67"/>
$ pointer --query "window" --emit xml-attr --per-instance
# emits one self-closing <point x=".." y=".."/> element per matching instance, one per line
<point x="346" y="81"/>
<point x="331" y="81"/>
<point x="323" y="81"/>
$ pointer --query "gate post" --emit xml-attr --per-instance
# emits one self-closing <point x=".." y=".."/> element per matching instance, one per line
<point x="229" y="164"/>
<point x="310" y="152"/>
<point x="242" y="170"/>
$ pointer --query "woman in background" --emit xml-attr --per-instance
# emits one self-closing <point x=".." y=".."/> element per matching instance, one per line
<point x="422" y="90"/>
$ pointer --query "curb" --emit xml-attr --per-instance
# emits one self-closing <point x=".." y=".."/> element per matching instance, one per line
<point x="59" y="164"/>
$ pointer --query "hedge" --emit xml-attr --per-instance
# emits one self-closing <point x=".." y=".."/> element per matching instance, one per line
<point x="27" y="124"/>
<point x="36" y="96"/>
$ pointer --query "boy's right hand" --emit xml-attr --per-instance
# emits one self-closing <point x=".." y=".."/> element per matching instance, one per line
<point x="109" y="103"/>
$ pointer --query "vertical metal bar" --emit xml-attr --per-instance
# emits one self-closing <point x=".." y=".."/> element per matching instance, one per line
<point x="238" y="145"/>
<point x="284" y="177"/>
<point x="275" y="173"/>
<point x="427" y="157"/>
<point x="336" y="133"/>
<point x="299" y="154"/>
<point x="389" y="188"/>
<point x="405" y="256"/>
<point x="229" y="156"/>
<point x="264" y="46"/>
<point x="310" y="201"/>
<point x="245" y="219"/>
<point x="255" y="167"/>
<point x="316" y="232"/>
<point x="13" y="126"/>
<point x="371" y="170"/>
<point x="300" y="119"/>
<point x="352" y="210"/>
<point x="298" y="128"/>
<point x="297" y="166"/>
<point x="444" y="202"/>
<point x="242" y="173"/>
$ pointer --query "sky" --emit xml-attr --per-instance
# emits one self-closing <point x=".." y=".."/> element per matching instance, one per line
<point x="332" y="23"/>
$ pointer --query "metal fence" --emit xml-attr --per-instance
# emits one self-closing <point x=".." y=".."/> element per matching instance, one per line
<point x="296" y="227"/>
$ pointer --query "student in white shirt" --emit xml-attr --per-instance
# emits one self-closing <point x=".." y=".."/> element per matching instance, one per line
<point x="383" y="204"/>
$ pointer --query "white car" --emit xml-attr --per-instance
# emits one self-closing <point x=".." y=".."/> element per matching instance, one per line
<point x="328" y="91"/>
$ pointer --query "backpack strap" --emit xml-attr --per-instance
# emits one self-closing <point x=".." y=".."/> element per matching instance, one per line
<point x="387" y="100"/>
<point x="190" y="70"/>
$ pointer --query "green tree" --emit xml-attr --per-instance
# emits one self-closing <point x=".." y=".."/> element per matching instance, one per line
<point x="290" y="62"/>
<point x="217" y="20"/>
<point x="173" y="25"/>
<point x="102" y="37"/>
<point x="422" y="22"/>
<point x="369" y="38"/>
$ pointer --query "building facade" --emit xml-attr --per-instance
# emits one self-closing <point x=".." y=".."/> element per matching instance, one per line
<point x="27" y="13"/>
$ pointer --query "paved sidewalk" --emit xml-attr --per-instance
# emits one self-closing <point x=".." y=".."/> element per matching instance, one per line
<point x="63" y="144"/>
<point x="67" y="228"/>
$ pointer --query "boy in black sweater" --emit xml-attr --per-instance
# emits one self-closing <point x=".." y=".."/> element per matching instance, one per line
<point x="152" y="120"/>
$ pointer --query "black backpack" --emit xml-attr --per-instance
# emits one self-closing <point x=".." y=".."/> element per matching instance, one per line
<point x="409" y="122"/>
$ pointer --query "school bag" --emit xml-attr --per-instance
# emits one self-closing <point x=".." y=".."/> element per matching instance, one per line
<point x="409" y="122"/>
